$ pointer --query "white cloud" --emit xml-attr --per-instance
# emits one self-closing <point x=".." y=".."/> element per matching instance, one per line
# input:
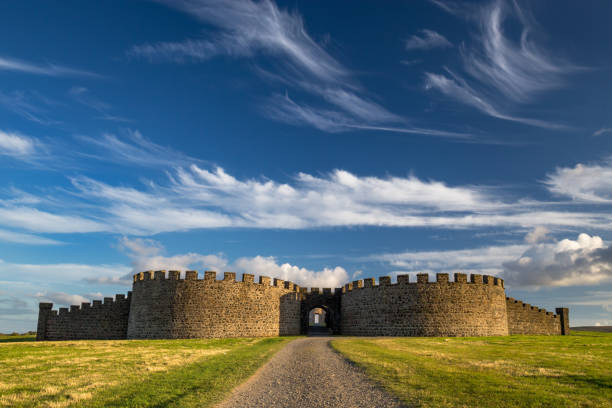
<point x="585" y="261"/>
<point x="146" y="254"/>
<point x="13" y="305"/>
<point x="268" y="266"/>
<point x="538" y="234"/>
<point x="61" y="298"/>
<point x="601" y="298"/>
<point x="428" y="39"/>
<point x="65" y="273"/>
<point x="587" y="183"/>
<point x="485" y="260"/>
<point x="12" y="64"/>
<point x="197" y="197"/>
<point x="28" y="239"/>
<point x="35" y="220"/>
<point x="16" y="145"/>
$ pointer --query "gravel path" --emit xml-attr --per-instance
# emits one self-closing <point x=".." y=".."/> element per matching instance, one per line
<point x="308" y="373"/>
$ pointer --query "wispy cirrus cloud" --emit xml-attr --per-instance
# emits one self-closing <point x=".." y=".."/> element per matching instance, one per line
<point x="457" y="88"/>
<point x="246" y="29"/>
<point x="35" y="220"/>
<point x="457" y="9"/>
<point x="602" y="131"/>
<point x="486" y="260"/>
<point x="130" y="147"/>
<point x="83" y="96"/>
<point x="284" y="109"/>
<point x="46" y="69"/>
<point x="518" y="71"/>
<point x="427" y="40"/>
<point x="26" y="239"/>
<point x="29" y="105"/>
<point x="503" y="72"/>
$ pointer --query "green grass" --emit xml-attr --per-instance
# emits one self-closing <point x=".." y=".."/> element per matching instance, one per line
<point x="127" y="373"/>
<point x="514" y="371"/>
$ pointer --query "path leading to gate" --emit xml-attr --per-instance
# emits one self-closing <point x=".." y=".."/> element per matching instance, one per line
<point x="308" y="373"/>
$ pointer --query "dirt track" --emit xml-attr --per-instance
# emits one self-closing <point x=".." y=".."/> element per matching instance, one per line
<point x="308" y="373"/>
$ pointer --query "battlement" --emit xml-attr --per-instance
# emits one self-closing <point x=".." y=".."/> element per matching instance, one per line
<point x="527" y="306"/>
<point x="109" y="302"/>
<point x="107" y="319"/>
<point x="190" y="304"/>
<point x="524" y="318"/>
<point x="195" y="305"/>
<point x="211" y="277"/>
<point x="423" y="278"/>
<point x="319" y="291"/>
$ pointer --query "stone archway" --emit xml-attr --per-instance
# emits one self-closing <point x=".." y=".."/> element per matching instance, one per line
<point x="326" y="300"/>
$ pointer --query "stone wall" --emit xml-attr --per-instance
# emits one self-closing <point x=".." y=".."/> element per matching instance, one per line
<point x="526" y="319"/>
<point x="171" y="307"/>
<point x="164" y="305"/>
<point x="423" y="308"/>
<point x="108" y="320"/>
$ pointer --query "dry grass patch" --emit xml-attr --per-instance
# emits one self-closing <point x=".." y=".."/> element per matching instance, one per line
<point x="75" y="373"/>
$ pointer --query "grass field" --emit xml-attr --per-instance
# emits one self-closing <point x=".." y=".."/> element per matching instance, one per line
<point x="515" y="371"/>
<point x="136" y="373"/>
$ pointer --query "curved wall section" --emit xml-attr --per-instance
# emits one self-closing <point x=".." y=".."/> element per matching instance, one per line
<point x="169" y="307"/>
<point x="422" y="308"/>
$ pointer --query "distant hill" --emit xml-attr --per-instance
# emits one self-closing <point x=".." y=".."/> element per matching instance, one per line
<point x="603" y="329"/>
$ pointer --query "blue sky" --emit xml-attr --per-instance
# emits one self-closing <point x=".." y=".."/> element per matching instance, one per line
<point x="313" y="141"/>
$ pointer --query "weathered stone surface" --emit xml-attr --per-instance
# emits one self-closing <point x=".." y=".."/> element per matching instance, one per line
<point x="168" y="306"/>
<point x="526" y="319"/>
<point x="425" y="308"/>
<point x="201" y="308"/>
<point x="108" y="320"/>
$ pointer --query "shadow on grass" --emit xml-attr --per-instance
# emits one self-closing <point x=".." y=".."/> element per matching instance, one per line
<point x="16" y="339"/>
<point x="604" y="383"/>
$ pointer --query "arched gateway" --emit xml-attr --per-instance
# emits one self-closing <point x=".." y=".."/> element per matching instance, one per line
<point x="327" y="300"/>
<point x="169" y="305"/>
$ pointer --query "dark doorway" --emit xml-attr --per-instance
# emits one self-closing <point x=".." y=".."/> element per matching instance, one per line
<point x="319" y="321"/>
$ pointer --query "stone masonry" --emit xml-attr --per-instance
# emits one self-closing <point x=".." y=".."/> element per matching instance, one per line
<point x="171" y="306"/>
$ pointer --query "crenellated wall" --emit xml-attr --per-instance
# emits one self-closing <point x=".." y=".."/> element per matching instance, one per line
<point x="171" y="307"/>
<point x="423" y="308"/>
<point x="166" y="305"/>
<point x="526" y="319"/>
<point x="108" y="320"/>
